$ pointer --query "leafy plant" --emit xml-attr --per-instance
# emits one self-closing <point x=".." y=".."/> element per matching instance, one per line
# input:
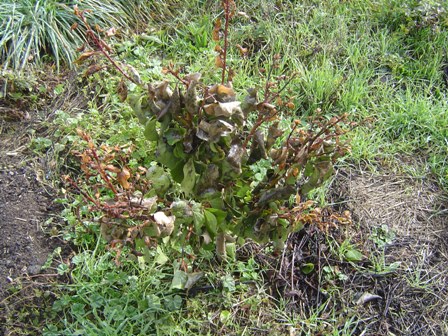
<point x="208" y="147"/>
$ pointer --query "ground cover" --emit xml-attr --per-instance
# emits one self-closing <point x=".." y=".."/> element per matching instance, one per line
<point x="382" y="273"/>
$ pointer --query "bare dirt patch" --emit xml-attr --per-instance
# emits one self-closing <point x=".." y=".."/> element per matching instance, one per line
<point x="415" y="297"/>
<point x="26" y="203"/>
<point x="399" y="287"/>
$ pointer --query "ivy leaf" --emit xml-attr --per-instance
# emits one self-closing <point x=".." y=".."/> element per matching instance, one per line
<point x="161" y="258"/>
<point x="193" y="278"/>
<point x="180" y="279"/>
<point x="159" y="178"/>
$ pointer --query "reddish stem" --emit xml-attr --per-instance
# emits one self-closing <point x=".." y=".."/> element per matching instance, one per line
<point x="226" y="34"/>
<point x="99" y="43"/>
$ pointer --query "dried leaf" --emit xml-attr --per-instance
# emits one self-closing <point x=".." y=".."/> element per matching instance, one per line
<point x="165" y="223"/>
<point x="367" y="297"/>
<point x="74" y="26"/>
<point x="133" y="73"/>
<point x="81" y="48"/>
<point x="92" y="69"/>
<point x="122" y="91"/>
<point x="191" y="99"/>
<point x="257" y="149"/>
<point x="86" y="55"/>
<point x="123" y="178"/>
<point x="235" y="155"/>
<point x="216" y="30"/>
<point x="223" y="93"/>
<point x="219" y="62"/>
<point x="211" y="132"/>
<point x="112" y="168"/>
<point x="243" y="51"/>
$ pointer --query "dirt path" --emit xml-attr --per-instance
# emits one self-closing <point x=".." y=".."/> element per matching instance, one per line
<point x="25" y="205"/>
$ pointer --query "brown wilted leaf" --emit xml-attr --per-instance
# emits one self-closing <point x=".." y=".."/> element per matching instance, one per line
<point x="230" y="75"/>
<point x="81" y="48"/>
<point x="216" y="30"/>
<point x="290" y="105"/>
<point x="219" y="63"/>
<point x="94" y="68"/>
<point x="243" y="51"/>
<point x="98" y="28"/>
<point x="122" y="91"/>
<point x="112" y="168"/>
<point x="165" y="224"/>
<point x="123" y="178"/>
<point x="74" y="26"/>
<point x="86" y="55"/>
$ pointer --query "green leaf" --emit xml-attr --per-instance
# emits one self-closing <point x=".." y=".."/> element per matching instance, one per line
<point x="151" y="130"/>
<point x="198" y="216"/>
<point x="228" y="282"/>
<point x="189" y="180"/>
<point x="193" y="278"/>
<point x="353" y="255"/>
<point x="231" y="251"/>
<point x="219" y="214"/>
<point x="180" y="279"/>
<point x="173" y="136"/>
<point x="211" y="223"/>
<point x="307" y="268"/>
<point x="161" y="258"/>
<point x="173" y="303"/>
<point x="225" y="316"/>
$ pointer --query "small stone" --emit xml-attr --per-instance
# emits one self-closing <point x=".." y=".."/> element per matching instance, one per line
<point x="34" y="269"/>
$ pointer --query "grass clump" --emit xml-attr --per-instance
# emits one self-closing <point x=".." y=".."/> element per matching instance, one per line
<point x="33" y="31"/>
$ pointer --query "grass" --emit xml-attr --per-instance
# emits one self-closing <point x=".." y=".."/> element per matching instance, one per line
<point x="33" y="31"/>
<point x="382" y="62"/>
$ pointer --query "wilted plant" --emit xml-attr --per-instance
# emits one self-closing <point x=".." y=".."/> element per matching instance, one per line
<point x="228" y="169"/>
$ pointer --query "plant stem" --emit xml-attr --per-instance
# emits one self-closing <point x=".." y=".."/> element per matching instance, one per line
<point x="226" y="34"/>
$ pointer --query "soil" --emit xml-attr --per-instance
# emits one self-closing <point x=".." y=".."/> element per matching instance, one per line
<point x="398" y="221"/>
<point x="25" y="205"/>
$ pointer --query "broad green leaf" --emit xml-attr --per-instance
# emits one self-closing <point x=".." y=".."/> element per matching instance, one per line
<point x="151" y="130"/>
<point x="173" y="303"/>
<point x="211" y="223"/>
<point x="353" y="255"/>
<point x="231" y="251"/>
<point x="189" y="180"/>
<point x="161" y="258"/>
<point x="173" y="136"/>
<point x="219" y="214"/>
<point x="307" y="268"/>
<point x="198" y="216"/>
<point x="193" y="278"/>
<point x="228" y="282"/>
<point x="180" y="279"/>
